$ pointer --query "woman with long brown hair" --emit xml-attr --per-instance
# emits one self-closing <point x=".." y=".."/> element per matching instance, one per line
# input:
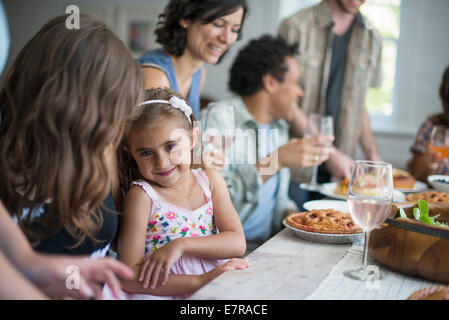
<point x="63" y="110"/>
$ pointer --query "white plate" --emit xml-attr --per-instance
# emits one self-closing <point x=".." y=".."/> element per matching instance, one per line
<point x="439" y="186"/>
<point x="338" y="205"/>
<point x="325" y="237"/>
<point x="419" y="187"/>
<point x="327" y="189"/>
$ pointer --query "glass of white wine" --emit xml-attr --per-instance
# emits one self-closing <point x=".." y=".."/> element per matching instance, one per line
<point x="317" y="125"/>
<point x="218" y="127"/>
<point x="370" y="195"/>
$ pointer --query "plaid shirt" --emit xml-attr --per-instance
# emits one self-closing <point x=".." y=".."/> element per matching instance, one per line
<point x="311" y="28"/>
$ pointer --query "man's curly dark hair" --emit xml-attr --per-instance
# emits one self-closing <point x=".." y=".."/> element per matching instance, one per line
<point x="265" y="55"/>
<point x="173" y="37"/>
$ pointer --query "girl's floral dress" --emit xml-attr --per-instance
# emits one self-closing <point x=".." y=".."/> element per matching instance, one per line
<point x="168" y="222"/>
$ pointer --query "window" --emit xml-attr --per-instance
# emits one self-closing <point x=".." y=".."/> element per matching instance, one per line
<point x="385" y="16"/>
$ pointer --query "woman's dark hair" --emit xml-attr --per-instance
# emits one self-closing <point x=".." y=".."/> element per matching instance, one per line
<point x="173" y="37"/>
<point x="63" y="107"/>
<point x="443" y="118"/>
<point x="265" y="55"/>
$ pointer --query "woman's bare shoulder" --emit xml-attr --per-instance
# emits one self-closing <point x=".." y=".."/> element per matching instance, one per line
<point x="154" y="78"/>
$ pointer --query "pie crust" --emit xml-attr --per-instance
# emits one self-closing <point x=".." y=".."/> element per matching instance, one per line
<point x="323" y="221"/>
<point x="429" y="196"/>
<point x="432" y="293"/>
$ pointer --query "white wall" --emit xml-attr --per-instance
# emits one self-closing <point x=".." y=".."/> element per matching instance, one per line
<point x="423" y="54"/>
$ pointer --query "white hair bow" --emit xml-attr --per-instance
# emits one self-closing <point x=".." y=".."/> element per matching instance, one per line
<point x="175" y="102"/>
<point x="181" y="105"/>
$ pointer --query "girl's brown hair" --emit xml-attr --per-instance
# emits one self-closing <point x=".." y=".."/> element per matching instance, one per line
<point x="148" y="115"/>
<point x="64" y="103"/>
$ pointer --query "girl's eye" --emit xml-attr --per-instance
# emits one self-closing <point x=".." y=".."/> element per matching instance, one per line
<point x="146" y="153"/>
<point x="236" y="30"/>
<point x="170" y="147"/>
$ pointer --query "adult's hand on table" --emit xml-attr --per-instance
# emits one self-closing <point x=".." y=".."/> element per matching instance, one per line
<point x="75" y="277"/>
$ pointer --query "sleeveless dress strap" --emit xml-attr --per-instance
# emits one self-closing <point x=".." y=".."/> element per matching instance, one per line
<point x="147" y="188"/>
<point x="154" y="66"/>
<point x="203" y="181"/>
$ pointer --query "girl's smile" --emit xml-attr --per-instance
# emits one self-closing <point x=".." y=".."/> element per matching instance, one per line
<point x="165" y="173"/>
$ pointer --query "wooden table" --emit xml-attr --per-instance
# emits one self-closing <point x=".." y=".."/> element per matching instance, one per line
<point x="289" y="268"/>
<point x="283" y="268"/>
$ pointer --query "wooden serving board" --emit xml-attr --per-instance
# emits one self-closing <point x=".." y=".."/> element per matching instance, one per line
<point x="412" y="247"/>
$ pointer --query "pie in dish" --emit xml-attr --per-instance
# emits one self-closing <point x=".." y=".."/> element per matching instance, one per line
<point x="323" y="221"/>
<point x="403" y="179"/>
<point x="429" y="196"/>
<point x="432" y="293"/>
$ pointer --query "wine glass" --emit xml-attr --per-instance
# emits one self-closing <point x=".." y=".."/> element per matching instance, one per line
<point x="370" y="195"/>
<point x="218" y="127"/>
<point x="439" y="141"/>
<point x="317" y="125"/>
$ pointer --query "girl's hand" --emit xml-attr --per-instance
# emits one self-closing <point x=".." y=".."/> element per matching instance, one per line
<point x="160" y="262"/>
<point x="230" y="265"/>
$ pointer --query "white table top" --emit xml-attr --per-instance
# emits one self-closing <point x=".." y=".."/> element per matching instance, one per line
<point x="289" y="268"/>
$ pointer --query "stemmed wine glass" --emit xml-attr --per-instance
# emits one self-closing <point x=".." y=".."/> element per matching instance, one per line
<point x="370" y="195"/>
<point x="218" y="127"/>
<point x="317" y="125"/>
<point x="439" y="141"/>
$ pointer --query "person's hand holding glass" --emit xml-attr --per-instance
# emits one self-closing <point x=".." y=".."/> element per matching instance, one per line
<point x="438" y="148"/>
<point x="317" y="125"/>
<point x="370" y="195"/>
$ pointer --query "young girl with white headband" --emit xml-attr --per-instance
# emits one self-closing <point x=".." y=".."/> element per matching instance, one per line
<point x="178" y="224"/>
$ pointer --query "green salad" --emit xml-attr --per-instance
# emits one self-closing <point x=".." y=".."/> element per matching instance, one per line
<point x="422" y="214"/>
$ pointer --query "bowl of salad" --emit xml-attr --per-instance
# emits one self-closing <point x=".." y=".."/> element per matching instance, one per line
<point x="414" y="240"/>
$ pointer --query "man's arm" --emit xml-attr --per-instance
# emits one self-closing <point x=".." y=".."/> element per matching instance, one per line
<point x="367" y="141"/>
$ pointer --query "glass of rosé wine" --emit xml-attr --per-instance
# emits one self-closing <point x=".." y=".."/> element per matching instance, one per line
<point x="370" y="194"/>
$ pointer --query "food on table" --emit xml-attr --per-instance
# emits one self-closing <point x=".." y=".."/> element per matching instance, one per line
<point x="401" y="180"/>
<point x="342" y="187"/>
<point x="429" y="196"/>
<point x="431" y="293"/>
<point x="421" y="214"/>
<point x="323" y="221"/>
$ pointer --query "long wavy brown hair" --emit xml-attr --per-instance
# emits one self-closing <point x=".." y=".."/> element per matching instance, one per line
<point x="63" y="106"/>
